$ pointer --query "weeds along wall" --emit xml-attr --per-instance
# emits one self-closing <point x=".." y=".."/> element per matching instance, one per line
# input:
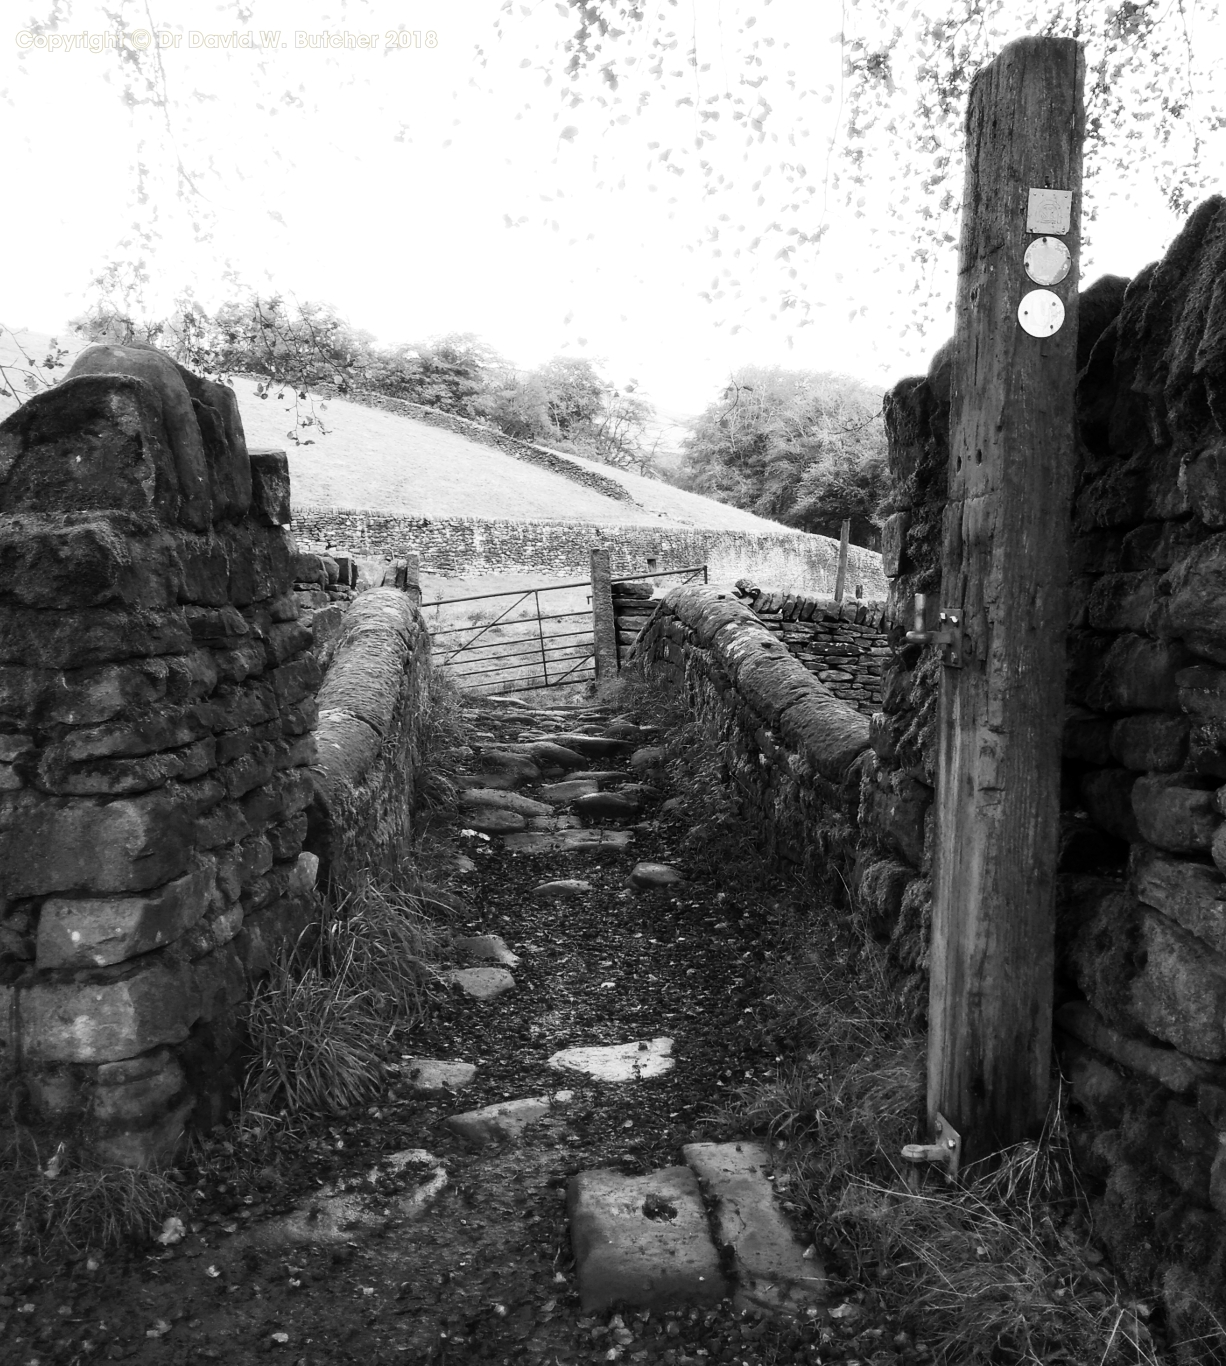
<point x="465" y="546"/>
<point x="802" y="763"/>
<point x="157" y="699"/>
<point x="1141" y="913"/>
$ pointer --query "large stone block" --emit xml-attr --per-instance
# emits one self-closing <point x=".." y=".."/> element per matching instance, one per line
<point x="1121" y="602"/>
<point x="1192" y="604"/>
<point x="1175" y="811"/>
<point x="1132" y="673"/>
<point x="1188" y="892"/>
<point x="77" y="639"/>
<point x="93" y="442"/>
<point x="98" y="931"/>
<point x="79" y="697"/>
<point x="1150" y="741"/>
<point x="1179" y="993"/>
<point x="47" y="564"/>
<point x="643" y="1240"/>
<point x="50" y="845"/>
<point x="156" y="372"/>
<point x="116" y="1015"/>
<point x="271" y="486"/>
<point x="1107" y="794"/>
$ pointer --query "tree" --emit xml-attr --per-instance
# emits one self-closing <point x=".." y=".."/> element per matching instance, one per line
<point x="804" y="449"/>
<point x="1156" y="95"/>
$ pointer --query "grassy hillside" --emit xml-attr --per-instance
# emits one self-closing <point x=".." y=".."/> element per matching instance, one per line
<point x="375" y="460"/>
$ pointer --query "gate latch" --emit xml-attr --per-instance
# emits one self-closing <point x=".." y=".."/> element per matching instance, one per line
<point x="946" y="1152"/>
<point x="949" y="635"/>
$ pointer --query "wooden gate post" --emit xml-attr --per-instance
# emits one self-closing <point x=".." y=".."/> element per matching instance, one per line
<point x="604" y="623"/>
<point x="1003" y="594"/>
<point x="840" y="578"/>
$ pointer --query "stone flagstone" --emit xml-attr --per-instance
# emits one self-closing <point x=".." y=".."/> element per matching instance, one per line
<point x="567" y="841"/>
<point x="489" y="947"/>
<point x="506" y="1122"/>
<point x="642" y="1240"/>
<point x="594" y="746"/>
<point x="619" y="806"/>
<point x="566" y="886"/>
<point x="339" y="1212"/>
<point x="437" y="1074"/>
<point x="490" y="820"/>
<point x="771" y="1269"/>
<point x="619" y="1061"/>
<point x="645" y="876"/>
<point x="506" y="801"/>
<point x="482" y="983"/>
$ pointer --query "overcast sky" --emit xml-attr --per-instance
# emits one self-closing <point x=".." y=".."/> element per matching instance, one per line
<point x="422" y="189"/>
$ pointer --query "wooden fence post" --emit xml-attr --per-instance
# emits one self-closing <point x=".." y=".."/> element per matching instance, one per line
<point x="1003" y="591"/>
<point x="604" y="623"/>
<point x="840" y="578"/>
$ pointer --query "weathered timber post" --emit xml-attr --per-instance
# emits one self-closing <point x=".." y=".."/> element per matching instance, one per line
<point x="1003" y="593"/>
<point x="840" y="578"/>
<point x="412" y="576"/>
<point x="604" y="623"/>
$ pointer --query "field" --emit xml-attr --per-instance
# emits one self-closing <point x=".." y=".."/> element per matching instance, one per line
<point x="379" y="461"/>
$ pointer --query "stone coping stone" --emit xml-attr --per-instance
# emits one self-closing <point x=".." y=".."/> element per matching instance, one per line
<point x="506" y="1122"/>
<point x="646" y="876"/>
<point x="642" y="1240"/>
<point x="771" y="1269"/>
<point x="567" y="841"/>
<point x="483" y="984"/>
<point x="437" y="1074"/>
<point x="619" y="1061"/>
<point x="502" y="800"/>
<point x="490" y="948"/>
<point x="562" y="887"/>
<point x="344" y="1210"/>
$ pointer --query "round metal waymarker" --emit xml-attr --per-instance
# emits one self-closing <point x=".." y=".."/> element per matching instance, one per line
<point x="1047" y="260"/>
<point x="1041" y="313"/>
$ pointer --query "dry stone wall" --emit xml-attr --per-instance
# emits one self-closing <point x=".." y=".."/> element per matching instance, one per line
<point x="792" y="749"/>
<point x="1141" y="930"/>
<point x="459" y="546"/>
<point x="157" y="700"/>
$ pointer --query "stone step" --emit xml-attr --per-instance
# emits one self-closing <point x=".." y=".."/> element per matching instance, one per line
<point x="567" y="841"/>
<point x="491" y="820"/>
<point x="437" y="1074"/>
<point x="490" y="948"/>
<point x="482" y="984"/>
<point x="508" y="801"/>
<point x="595" y="746"/>
<point x="619" y="1061"/>
<point x="614" y="806"/>
<point x="770" y="1268"/>
<point x="507" y="1121"/>
<point x="642" y="1240"/>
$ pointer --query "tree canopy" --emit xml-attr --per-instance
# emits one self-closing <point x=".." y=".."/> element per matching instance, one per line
<point x="801" y="448"/>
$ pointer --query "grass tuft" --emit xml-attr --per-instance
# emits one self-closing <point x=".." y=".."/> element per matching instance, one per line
<point x="83" y="1207"/>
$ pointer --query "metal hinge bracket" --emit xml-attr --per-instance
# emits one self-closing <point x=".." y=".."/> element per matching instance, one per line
<point x="948" y="635"/>
<point x="945" y="1152"/>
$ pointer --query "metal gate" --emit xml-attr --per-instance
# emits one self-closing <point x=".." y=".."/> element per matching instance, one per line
<point x="520" y="647"/>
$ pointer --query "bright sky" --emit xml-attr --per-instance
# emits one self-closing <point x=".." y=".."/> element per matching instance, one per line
<point x="421" y="191"/>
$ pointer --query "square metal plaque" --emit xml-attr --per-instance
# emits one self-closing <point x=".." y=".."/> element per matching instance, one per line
<point x="1049" y="211"/>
